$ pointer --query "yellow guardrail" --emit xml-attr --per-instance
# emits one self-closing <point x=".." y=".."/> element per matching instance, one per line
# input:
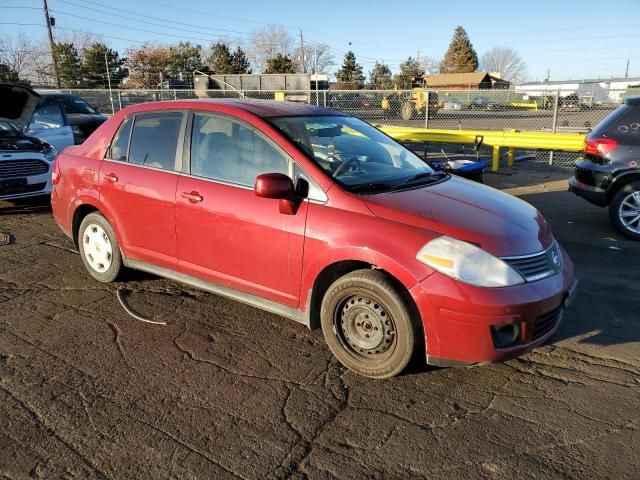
<point x="511" y="139"/>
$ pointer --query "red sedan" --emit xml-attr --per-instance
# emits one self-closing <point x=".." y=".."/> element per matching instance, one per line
<point x="319" y="217"/>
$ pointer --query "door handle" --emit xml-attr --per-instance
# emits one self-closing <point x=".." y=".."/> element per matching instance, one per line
<point x="193" y="197"/>
<point x="111" y="178"/>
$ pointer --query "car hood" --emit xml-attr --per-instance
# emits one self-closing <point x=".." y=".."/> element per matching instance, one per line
<point x="81" y="119"/>
<point x="17" y="104"/>
<point x="499" y="223"/>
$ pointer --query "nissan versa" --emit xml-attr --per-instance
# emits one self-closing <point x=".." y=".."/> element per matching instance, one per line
<point x="319" y="217"/>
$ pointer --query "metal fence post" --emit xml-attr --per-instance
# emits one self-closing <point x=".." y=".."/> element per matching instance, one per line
<point x="175" y="95"/>
<point x="426" y="111"/>
<point x="554" y="122"/>
<point x="119" y="100"/>
<point x="495" y="160"/>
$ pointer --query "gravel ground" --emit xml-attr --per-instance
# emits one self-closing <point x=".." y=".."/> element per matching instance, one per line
<point x="227" y="391"/>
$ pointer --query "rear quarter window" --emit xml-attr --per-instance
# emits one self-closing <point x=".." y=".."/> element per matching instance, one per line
<point x="623" y="124"/>
<point x="120" y="146"/>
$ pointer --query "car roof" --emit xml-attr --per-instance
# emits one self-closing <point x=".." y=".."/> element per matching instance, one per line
<point x="632" y="101"/>
<point x="269" y="108"/>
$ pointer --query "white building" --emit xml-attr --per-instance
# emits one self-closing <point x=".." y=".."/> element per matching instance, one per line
<point x="589" y="91"/>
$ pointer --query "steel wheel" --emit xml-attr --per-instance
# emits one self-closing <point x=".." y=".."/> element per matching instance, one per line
<point x="364" y="327"/>
<point x="629" y="212"/>
<point x="97" y="248"/>
<point x="370" y="323"/>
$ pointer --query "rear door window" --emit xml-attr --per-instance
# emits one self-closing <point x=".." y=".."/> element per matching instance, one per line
<point x="154" y="140"/>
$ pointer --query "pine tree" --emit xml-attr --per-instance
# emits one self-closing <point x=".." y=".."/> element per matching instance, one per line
<point x="460" y="57"/>
<point x="280" y="64"/>
<point x="221" y="60"/>
<point x="380" y="77"/>
<point x="239" y="62"/>
<point x="94" y="67"/>
<point x="69" y="65"/>
<point x="184" y="58"/>
<point x="350" y="76"/>
<point x="410" y="71"/>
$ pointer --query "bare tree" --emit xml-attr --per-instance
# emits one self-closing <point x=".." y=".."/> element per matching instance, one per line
<point x="320" y="53"/>
<point x="267" y="43"/>
<point x="430" y="65"/>
<point x="506" y="61"/>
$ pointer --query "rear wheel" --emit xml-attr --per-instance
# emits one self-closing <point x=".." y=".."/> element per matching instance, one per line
<point x="624" y="210"/>
<point x="407" y="111"/>
<point x="368" y="325"/>
<point x="99" y="249"/>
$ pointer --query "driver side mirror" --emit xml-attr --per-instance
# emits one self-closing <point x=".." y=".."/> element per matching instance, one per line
<point x="277" y="186"/>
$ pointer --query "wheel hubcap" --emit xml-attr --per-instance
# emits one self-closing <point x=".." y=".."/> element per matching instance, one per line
<point x="629" y="213"/>
<point x="97" y="248"/>
<point x="364" y="325"/>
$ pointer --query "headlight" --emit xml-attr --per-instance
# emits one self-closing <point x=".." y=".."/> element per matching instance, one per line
<point x="467" y="263"/>
<point x="50" y="154"/>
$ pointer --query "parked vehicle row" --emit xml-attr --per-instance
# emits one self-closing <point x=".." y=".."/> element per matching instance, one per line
<point x="319" y="217"/>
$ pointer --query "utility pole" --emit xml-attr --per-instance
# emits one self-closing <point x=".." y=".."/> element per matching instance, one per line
<point x="626" y="73"/>
<point x="106" y="63"/>
<point x="304" y="65"/>
<point x="56" y="74"/>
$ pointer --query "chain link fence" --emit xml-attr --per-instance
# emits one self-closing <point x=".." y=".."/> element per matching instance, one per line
<point x="519" y="109"/>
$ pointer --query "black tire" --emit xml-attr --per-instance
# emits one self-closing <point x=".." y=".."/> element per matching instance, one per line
<point x="115" y="266"/>
<point x="369" y="326"/>
<point x="621" y="205"/>
<point x="407" y="111"/>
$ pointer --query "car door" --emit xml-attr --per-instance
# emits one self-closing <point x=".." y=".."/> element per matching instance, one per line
<point x="138" y="180"/>
<point x="225" y="233"/>
<point x="48" y="124"/>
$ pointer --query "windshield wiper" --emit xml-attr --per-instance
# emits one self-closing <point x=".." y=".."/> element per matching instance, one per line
<point x="421" y="178"/>
<point x="371" y="187"/>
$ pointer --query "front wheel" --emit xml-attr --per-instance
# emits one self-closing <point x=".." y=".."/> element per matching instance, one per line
<point x="407" y="111"/>
<point x="368" y="325"/>
<point x="99" y="249"/>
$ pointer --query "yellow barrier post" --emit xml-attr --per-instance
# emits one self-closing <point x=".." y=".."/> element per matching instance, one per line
<point x="510" y="158"/>
<point x="495" y="162"/>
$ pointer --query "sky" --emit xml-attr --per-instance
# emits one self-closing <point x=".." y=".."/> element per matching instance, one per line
<point x="568" y="39"/>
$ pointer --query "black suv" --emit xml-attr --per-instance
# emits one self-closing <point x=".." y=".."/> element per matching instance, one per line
<point x="608" y="173"/>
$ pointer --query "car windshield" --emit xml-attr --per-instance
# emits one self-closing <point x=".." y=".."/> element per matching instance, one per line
<point x="78" y="105"/>
<point x="354" y="153"/>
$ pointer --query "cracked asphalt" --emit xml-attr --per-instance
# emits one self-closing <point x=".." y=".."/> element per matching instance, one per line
<point x="227" y="391"/>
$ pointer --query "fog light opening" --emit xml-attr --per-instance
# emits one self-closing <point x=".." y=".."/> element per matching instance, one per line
<point x="505" y="335"/>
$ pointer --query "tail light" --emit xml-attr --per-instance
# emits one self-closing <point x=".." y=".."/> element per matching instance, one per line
<point x="55" y="172"/>
<point x="599" y="146"/>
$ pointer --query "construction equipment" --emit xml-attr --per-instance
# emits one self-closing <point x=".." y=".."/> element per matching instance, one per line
<point x="409" y="104"/>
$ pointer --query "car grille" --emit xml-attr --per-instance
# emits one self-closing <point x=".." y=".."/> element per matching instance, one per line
<point x="545" y="323"/>
<point x="537" y="266"/>
<point x="22" y="168"/>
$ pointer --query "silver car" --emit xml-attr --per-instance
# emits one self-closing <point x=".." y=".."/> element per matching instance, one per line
<point x="30" y="138"/>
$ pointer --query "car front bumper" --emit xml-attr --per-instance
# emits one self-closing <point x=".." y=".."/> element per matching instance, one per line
<point x="458" y="318"/>
<point x="34" y="186"/>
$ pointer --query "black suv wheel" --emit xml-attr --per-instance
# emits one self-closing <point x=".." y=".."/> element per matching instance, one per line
<point x="624" y="210"/>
